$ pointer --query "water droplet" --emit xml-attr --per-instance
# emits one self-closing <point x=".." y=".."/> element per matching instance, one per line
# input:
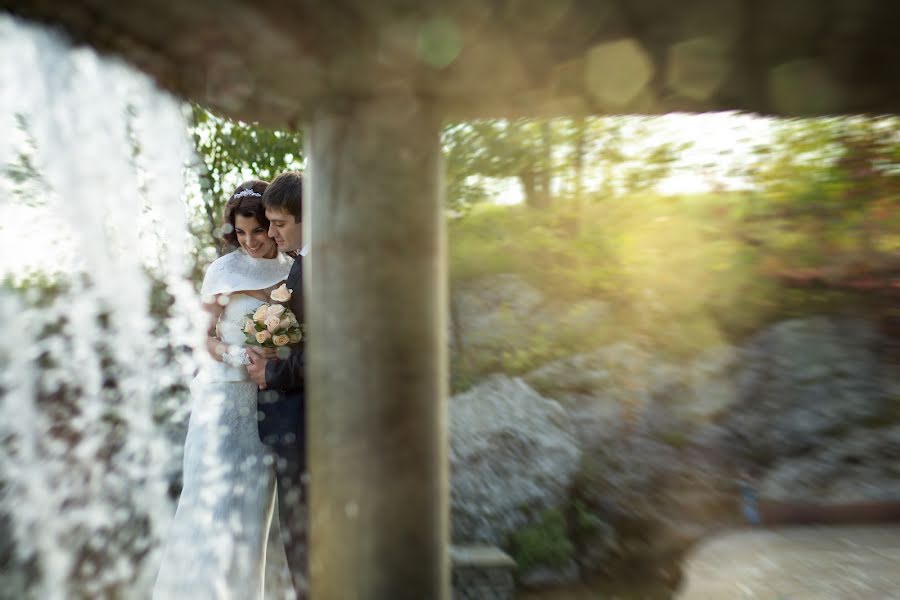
<point x="697" y="67"/>
<point x="616" y="72"/>
<point x="440" y="42"/>
<point x="803" y="88"/>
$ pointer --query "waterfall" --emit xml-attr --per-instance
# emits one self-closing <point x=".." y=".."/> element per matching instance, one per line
<point x="93" y="359"/>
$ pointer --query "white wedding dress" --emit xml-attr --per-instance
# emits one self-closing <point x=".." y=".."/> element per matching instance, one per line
<point x="216" y="546"/>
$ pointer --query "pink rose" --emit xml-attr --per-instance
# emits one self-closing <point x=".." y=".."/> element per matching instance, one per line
<point x="276" y="310"/>
<point x="260" y="315"/>
<point x="281" y="294"/>
<point x="272" y="323"/>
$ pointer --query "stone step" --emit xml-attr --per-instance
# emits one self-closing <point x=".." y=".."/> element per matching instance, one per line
<point x="482" y="573"/>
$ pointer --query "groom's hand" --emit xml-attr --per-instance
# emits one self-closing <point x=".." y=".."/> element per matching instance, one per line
<point x="257" y="369"/>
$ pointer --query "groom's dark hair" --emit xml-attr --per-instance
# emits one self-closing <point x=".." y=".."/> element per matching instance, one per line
<point x="285" y="193"/>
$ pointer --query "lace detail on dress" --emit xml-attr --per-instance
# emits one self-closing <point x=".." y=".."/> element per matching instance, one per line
<point x="230" y="330"/>
<point x="236" y="356"/>
<point x="216" y="548"/>
<point x="238" y="272"/>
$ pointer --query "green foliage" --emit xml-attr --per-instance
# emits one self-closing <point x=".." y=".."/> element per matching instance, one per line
<point x="835" y="184"/>
<point x="677" y="274"/>
<point x="548" y="157"/>
<point x="231" y="152"/>
<point x="538" y="350"/>
<point x="585" y="521"/>
<point x="542" y="544"/>
<point x="675" y="438"/>
<point x="22" y="172"/>
<point x="37" y="288"/>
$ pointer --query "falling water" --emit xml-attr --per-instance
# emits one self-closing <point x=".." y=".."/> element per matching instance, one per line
<point x="87" y="369"/>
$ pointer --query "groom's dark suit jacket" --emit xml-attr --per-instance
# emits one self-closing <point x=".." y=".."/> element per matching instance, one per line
<point x="283" y="404"/>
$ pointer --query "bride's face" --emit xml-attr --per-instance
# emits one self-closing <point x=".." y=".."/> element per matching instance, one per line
<point x="253" y="237"/>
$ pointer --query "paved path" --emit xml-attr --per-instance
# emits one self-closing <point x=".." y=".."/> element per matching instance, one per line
<point x="802" y="563"/>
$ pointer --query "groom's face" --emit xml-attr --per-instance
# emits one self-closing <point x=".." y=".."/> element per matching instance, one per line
<point x="285" y="230"/>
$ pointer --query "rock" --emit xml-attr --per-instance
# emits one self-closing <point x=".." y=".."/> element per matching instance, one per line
<point x="513" y="455"/>
<point x="480" y="572"/>
<point x="711" y="388"/>
<point x="861" y="466"/>
<point x="819" y="376"/>
<point x="544" y="577"/>
<point x="619" y="382"/>
<point x="658" y="500"/>
<point x="601" y="371"/>
<point x="634" y="414"/>
<point x="504" y="313"/>
<point x="808" y="405"/>
<point x="605" y="390"/>
<point x="492" y="312"/>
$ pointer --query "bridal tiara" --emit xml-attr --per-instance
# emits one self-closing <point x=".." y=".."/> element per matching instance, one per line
<point x="247" y="192"/>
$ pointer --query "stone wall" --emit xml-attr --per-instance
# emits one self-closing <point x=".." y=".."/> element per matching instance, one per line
<point x="482" y="573"/>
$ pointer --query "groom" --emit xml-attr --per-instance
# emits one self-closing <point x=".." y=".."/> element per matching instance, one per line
<point x="281" y="401"/>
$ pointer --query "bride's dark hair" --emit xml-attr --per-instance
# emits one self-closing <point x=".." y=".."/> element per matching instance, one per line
<point x="247" y="202"/>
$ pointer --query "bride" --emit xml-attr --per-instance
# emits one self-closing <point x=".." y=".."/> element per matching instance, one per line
<point x="216" y="547"/>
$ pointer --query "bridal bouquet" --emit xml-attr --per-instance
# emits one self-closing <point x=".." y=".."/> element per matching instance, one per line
<point x="273" y="324"/>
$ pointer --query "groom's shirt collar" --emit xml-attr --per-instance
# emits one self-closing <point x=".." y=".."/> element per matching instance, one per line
<point x="304" y="250"/>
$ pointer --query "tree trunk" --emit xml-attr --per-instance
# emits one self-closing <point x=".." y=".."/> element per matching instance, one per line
<point x="546" y="168"/>
<point x="578" y="152"/>
<point x="528" y="179"/>
<point x="377" y="374"/>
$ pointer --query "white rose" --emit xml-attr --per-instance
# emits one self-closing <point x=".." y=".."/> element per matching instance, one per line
<point x="260" y="315"/>
<point x="285" y="324"/>
<point x="249" y="327"/>
<point x="272" y="324"/>
<point x="263" y="336"/>
<point x="295" y="336"/>
<point x="276" y="310"/>
<point x="280" y="340"/>
<point x="281" y="293"/>
<point x="293" y="319"/>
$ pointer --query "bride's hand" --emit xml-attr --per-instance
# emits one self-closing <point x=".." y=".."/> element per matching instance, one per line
<point x="267" y="353"/>
<point x="261" y="295"/>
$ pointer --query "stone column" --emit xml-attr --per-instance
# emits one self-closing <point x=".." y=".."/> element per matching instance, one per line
<point x="377" y="364"/>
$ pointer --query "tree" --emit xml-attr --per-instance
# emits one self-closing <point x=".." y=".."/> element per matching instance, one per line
<point x="553" y="156"/>
<point x="499" y="148"/>
<point x="827" y="210"/>
<point x="832" y="177"/>
<point x="230" y="152"/>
